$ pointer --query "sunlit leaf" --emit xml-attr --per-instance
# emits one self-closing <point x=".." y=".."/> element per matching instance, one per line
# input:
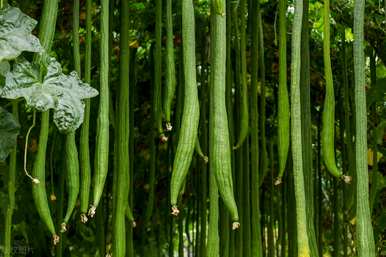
<point x="349" y="35"/>
<point x="60" y="92"/>
<point x="15" y="34"/>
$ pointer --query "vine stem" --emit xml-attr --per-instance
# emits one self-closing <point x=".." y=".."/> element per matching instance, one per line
<point x="3" y="4"/>
<point x="34" y="180"/>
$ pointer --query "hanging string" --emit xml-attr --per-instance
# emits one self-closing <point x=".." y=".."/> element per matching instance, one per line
<point x="34" y="180"/>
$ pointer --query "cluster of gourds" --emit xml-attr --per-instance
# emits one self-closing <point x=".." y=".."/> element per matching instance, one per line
<point x="227" y="40"/>
<point x="52" y="90"/>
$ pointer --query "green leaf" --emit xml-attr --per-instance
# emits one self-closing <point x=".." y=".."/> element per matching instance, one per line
<point x="59" y="84"/>
<point x="9" y="129"/>
<point x="137" y="6"/>
<point x="60" y="92"/>
<point x="23" y="81"/>
<point x="70" y="91"/>
<point x="349" y="35"/>
<point x="376" y="93"/>
<point x="4" y="68"/>
<point x="68" y="113"/>
<point x="15" y="34"/>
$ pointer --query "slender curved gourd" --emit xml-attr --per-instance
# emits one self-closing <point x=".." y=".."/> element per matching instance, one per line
<point x="244" y="113"/>
<point x="348" y="106"/>
<point x="72" y="161"/>
<point x="39" y="190"/>
<point x="122" y="143"/>
<point x="213" y="245"/>
<point x="283" y="101"/>
<point x="305" y="97"/>
<point x="39" y="194"/>
<point x="296" y="134"/>
<point x="157" y="104"/>
<point x="364" y="229"/>
<point x="328" y="129"/>
<point x="102" y="137"/>
<point x="218" y="23"/>
<point x="170" y="66"/>
<point x="219" y="145"/>
<point x="72" y="167"/>
<point x="84" y="151"/>
<point x="191" y="112"/>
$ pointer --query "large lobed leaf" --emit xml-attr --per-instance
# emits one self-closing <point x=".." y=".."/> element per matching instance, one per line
<point x="15" y="34"/>
<point x="9" y="129"/>
<point x="57" y="91"/>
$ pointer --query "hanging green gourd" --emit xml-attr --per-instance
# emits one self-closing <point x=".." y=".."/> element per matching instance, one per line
<point x="364" y="229"/>
<point x="296" y="134"/>
<point x="283" y="101"/>
<point x="38" y="190"/>
<point x="157" y="104"/>
<point x="102" y="133"/>
<point x="244" y="111"/>
<point x="84" y="151"/>
<point x="191" y="112"/>
<point x="170" y="66"/>
<point x="71" y="151"/>
<point x="328" y="129"/>
<point x="122" y="183"/>
<point x="219" y="145"/>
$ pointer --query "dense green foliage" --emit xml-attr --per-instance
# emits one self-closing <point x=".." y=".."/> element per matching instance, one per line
<point x="192" y="128"/>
